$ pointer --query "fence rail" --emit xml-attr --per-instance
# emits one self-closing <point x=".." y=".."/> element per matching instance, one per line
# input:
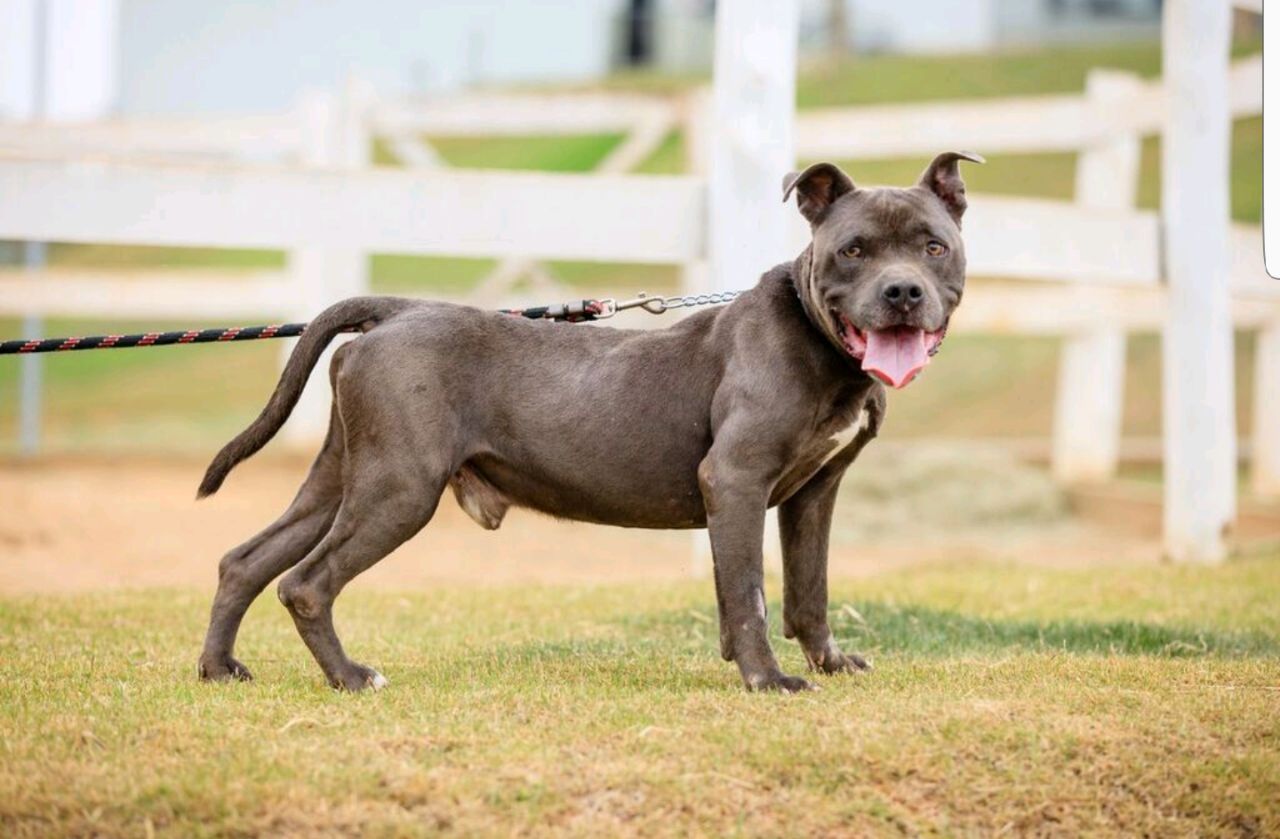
<point x="243" y="295"/>
<point x="1095" y="263"/>
<point x="263" y="137"/>
<point x="492" y="115"/>
<point x="1019" y="125"/>
<point x="588" y="217"/>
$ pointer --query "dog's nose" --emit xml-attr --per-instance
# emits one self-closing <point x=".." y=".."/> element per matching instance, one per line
<point x="903" y="296"/>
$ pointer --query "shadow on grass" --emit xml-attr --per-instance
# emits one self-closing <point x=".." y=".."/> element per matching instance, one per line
<point x="918" y="630"/>
<point x="677" y="649"/>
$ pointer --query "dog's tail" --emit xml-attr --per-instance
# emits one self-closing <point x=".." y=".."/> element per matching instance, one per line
<point x="361" y="313"/>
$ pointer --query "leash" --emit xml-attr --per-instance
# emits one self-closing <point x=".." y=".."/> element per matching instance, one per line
<point x="576" y="311"/>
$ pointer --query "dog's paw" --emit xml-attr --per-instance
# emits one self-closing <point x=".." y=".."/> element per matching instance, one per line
<point x="846" y="663"/>
<point x="225" y="669"/>
<point x="357" y="677"/>
<point x="831" y="661"/>
<point x="778" y="682"/>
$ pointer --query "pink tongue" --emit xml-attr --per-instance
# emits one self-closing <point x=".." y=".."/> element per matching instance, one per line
<point x="895" y="356"/>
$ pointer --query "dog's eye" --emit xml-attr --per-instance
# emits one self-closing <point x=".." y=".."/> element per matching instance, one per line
<point x="852" y="252"/>
<point x="935" y="248"/>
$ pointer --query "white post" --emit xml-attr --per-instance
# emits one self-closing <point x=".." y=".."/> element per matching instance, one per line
<point x="1199" y="401"/>
<point x="31" y="367"/>
<point x="697" y="120"/>
<point x="72" y="78"/>
<point x="753" y="108"/>
<point x="336" y="135"/>
<point x="751" y="149"/>
<point x="1265" y="466"/>
<point x="1088" y="414"/>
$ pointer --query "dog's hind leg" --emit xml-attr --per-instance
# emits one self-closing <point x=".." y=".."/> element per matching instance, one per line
<point x="246" y="570"/>
<point x="400" y="452"/>
<point x="380" y="510"/>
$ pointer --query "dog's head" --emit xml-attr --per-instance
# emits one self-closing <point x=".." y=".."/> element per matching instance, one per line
<point x="886" y="266"/>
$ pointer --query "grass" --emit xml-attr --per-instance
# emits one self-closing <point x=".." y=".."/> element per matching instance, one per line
<point x="1142" y="700"/>
<point x="880" y="79"/>
<point x="159" y="399"/>
<point x="1053" y="175"/>
<point x="133" y="257"/>
<point x="874" y="79"/>
<point x="1135" y="700"/>
<point x="578" y="153"/>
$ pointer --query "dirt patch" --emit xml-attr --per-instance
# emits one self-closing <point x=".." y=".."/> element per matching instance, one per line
<point x="90" y="523"/>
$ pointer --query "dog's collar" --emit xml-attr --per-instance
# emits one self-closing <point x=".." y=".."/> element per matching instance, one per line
<point x="804" y="273"/>
<point x="804" y="267"/>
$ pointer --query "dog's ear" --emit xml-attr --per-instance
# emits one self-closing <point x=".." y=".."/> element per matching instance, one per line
<point x="942" y="178"/>
<point x="816" y="188"/>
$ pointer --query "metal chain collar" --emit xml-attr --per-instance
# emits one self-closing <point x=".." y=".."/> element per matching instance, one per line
<point x="657" y="304"/>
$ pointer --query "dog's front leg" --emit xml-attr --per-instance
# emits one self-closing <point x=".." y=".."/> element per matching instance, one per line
<point x="805" y="523"/>
<point x="736" y="501"/>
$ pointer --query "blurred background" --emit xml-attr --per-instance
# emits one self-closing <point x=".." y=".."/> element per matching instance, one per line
<point x="983" y="455"/>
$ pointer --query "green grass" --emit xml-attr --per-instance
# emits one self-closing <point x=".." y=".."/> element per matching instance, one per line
<point x="1053" y="175"/>
<point x="1007" y="387"/>
<point x="132" y="257"/>
<point x="879" y="79"/>
<point x="176" y="399"/>
<point x="549" y="154"/>
<point x="405" y="274"/>
<point x="1139" y="700"/>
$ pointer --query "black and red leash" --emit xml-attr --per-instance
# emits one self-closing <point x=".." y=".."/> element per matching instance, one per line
<point x="576" y="311"/>
<point x="151" y="339"/>
<point x="572" y="312"/>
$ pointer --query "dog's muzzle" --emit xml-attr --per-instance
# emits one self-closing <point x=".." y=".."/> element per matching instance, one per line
<point x="894" y="355"/>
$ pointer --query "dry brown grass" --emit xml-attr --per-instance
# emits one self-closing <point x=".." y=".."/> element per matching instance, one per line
<point x="1005" y="700"/>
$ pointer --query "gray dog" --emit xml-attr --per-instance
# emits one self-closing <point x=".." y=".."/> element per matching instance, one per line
<point x="707" y="423"/>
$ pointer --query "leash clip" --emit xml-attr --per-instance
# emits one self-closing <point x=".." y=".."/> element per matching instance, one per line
<point x="655" y="305"/>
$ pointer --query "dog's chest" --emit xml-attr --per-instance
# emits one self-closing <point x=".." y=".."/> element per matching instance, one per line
<point x="842" y="437"/>
<point x="831" y="438"/>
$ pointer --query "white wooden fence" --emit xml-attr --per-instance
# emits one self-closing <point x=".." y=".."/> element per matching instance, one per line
<point x="1095" y="263"/>
<point x="1098" y="241"/>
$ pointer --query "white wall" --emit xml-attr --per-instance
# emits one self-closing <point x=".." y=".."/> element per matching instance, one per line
<point x="206" y="56"/>
<point x="80" y="55"/>
<point x="17" y="57"/>
<point x="923" y="26"/>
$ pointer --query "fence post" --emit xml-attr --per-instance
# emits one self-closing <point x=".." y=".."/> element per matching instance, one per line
<point x="695" y="275"/>
<point x="336" y="135"/>
<point x="697" y="122"/>
<point x="1265" y="466"/>
<point x="751" y="149"/>
<point x="1089" y="412"/>
<point x="31" y="367"/>
<point x="1199" y="400"/>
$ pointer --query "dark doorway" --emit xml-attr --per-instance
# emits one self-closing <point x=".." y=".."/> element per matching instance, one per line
<point x="639" y="32"/>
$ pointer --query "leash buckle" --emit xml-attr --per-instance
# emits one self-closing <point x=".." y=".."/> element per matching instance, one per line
<point x="655" y="305"/>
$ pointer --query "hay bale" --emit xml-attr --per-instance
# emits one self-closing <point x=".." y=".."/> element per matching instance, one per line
<point x="927" y="489"/>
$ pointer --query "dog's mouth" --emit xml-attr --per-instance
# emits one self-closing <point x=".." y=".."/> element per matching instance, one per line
<point x="894" y="355"/>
